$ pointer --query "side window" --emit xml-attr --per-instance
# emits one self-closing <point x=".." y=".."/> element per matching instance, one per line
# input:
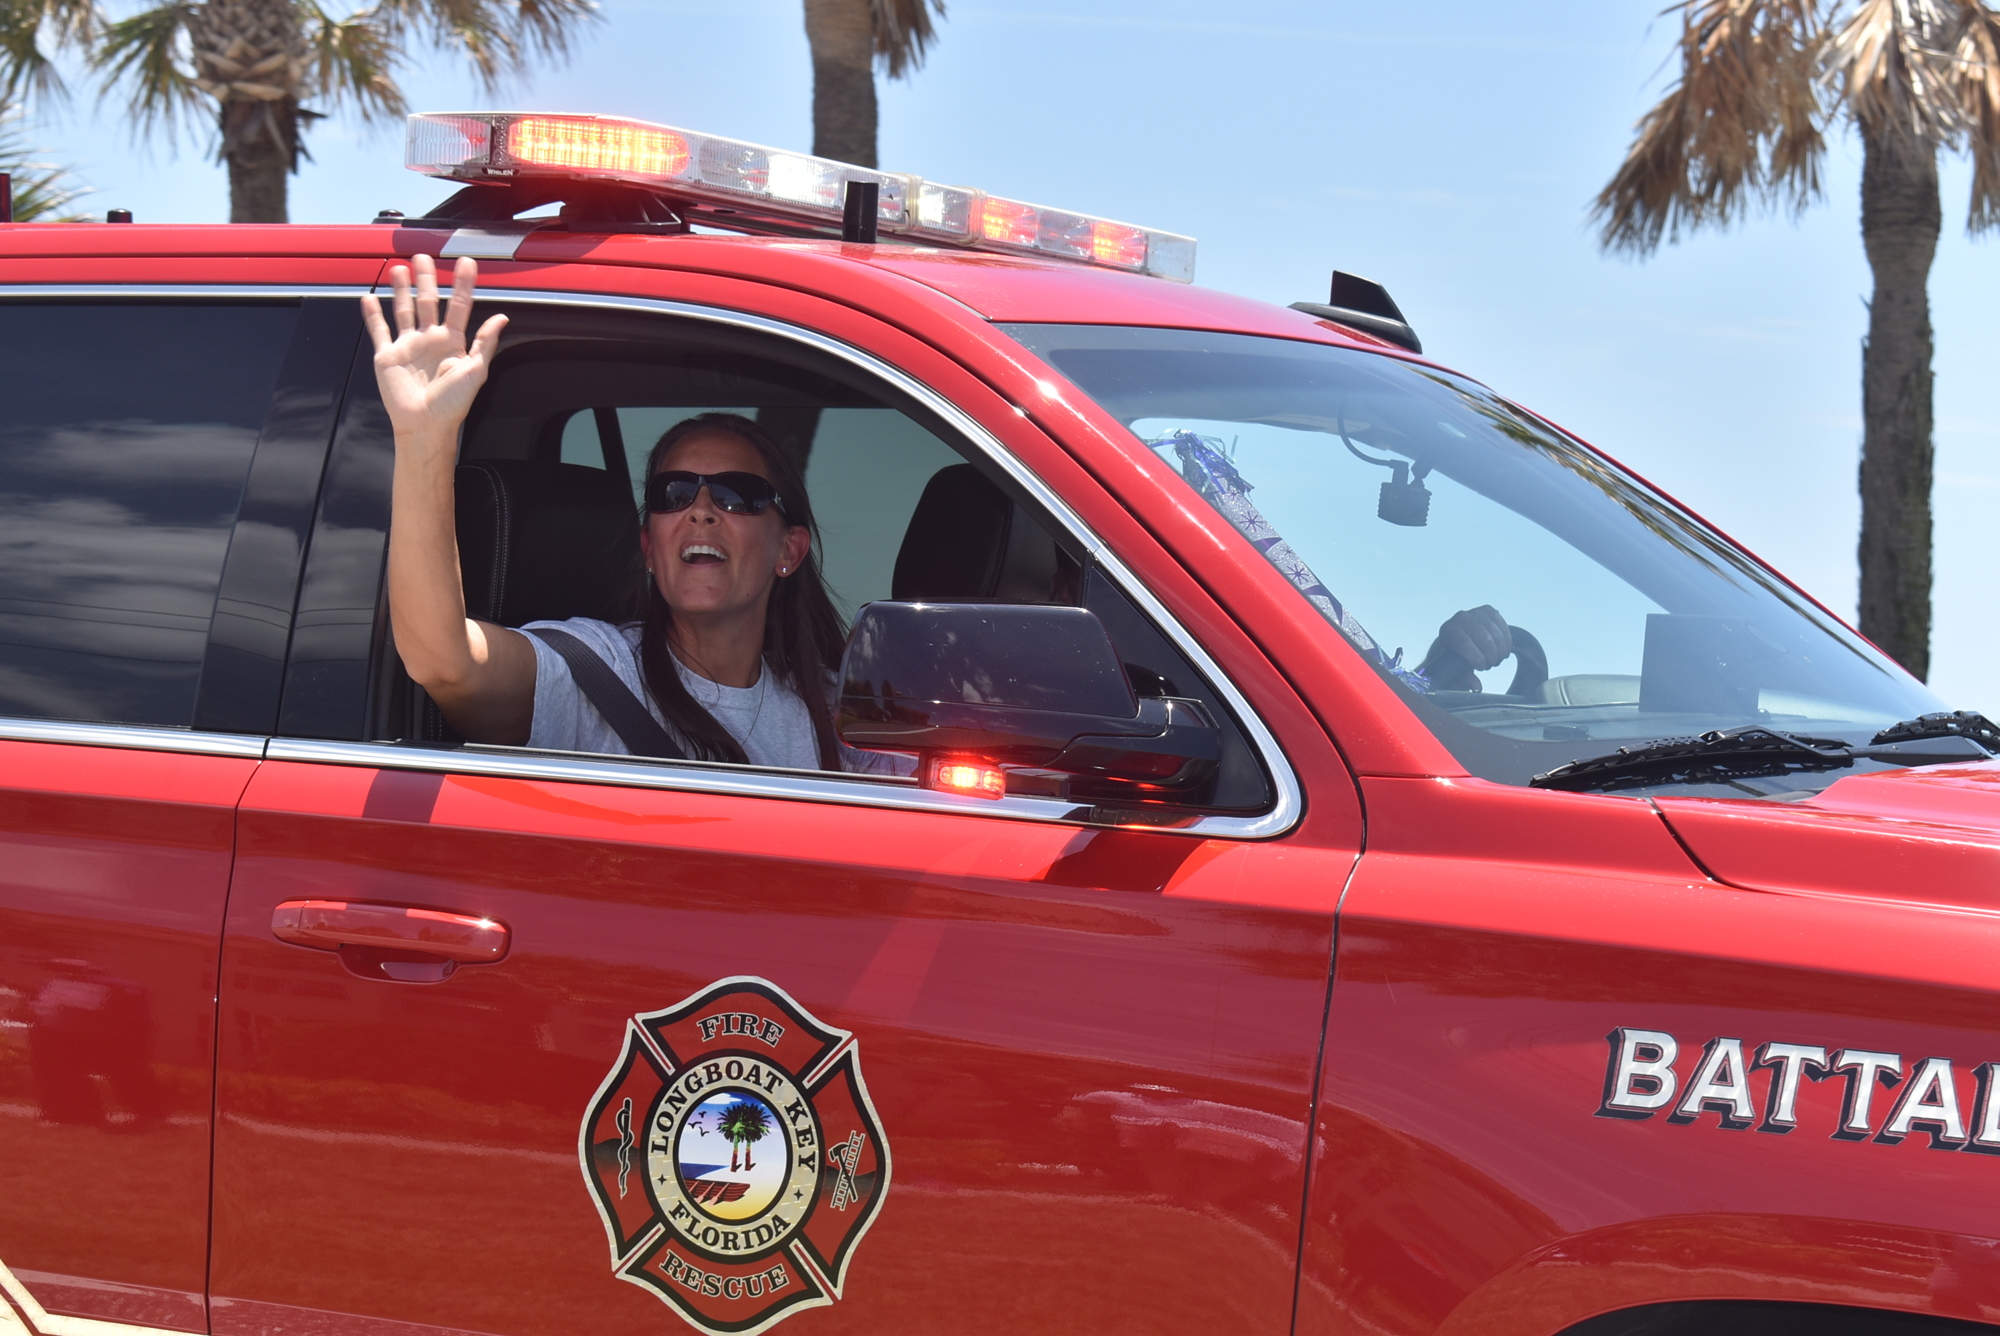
<point x="552" y="467"/>
<point x="124" y="450"/>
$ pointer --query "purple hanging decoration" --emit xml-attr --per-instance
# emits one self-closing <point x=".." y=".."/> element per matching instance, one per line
<point x="1215" y="477"/>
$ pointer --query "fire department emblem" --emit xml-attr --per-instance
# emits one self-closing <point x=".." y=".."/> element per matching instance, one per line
<point x="735" y="1157"/>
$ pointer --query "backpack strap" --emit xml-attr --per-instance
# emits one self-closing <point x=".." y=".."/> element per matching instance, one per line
<point x="613" y="700"/>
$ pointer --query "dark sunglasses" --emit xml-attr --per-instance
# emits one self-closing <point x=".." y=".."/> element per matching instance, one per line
<point x="737" y="493"/>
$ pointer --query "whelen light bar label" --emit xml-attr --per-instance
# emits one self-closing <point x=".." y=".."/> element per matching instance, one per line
<point x="482" y="146"/>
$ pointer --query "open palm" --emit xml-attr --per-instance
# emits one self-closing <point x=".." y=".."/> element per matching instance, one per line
<point x="427" y="374"/>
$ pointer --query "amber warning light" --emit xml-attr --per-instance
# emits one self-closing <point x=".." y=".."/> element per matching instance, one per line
<point x="730" y="176"/>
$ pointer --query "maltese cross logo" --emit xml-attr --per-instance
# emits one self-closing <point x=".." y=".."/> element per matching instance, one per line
<point x="735" y="1157"/>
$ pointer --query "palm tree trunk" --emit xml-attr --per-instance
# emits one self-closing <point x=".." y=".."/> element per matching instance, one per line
<point x="1900" y="217"/>
<point x="249" y="55"/>
<point x="259" y="158"/>
<point x="842" y="36"/>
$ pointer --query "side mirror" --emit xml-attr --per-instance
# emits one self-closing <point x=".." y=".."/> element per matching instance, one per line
<point x="1026" y="699"/>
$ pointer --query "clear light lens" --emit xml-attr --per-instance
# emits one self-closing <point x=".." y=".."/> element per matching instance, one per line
<point x="438" y="143"/>
<point x="482" y="146"/>
<point x="945" y="209"/>
<point x="1169" y="256"/>
<point x="735" y="166"/>
<point x="621" y="147"/>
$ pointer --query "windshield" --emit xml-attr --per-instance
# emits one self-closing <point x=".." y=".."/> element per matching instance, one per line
<point x="1533" y="603"/>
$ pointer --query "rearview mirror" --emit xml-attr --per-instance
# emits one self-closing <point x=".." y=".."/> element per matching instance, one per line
<point x="1033" y="692"/>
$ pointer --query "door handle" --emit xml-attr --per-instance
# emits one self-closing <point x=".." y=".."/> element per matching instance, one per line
<point x="391" y="941"/>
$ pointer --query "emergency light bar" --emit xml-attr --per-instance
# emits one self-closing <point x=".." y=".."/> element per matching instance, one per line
<point x="497" y="147"/>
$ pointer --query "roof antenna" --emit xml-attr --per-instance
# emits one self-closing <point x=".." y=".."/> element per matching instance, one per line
<point x="1366" y="305"/>
<point x="860" y="212"/>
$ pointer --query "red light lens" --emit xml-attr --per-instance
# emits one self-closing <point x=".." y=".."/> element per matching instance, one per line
<point x="974" y="778"/>
<point x="600" y="146"/>
<point x="1114" y="243"/>
<point x="1004" y="220"/>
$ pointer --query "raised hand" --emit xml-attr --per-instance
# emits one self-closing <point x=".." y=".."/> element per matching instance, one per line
<point x="427" y="374"/>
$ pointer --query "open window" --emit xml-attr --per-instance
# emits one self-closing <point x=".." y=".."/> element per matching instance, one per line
<point x="552" y="466"/>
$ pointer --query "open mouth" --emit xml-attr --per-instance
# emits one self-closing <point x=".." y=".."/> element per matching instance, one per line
<point x="701" y="554"/>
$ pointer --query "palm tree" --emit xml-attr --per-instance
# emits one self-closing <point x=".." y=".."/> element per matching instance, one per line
<point x="252" y="64"/>
<point x="847" y="38"/>
<point x="40" y="190"/>
<point x="1761" y="82"/>
<point x="745" y="1124"/>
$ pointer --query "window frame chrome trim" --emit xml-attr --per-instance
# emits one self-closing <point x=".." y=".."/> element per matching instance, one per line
<point x="269" y="292"/>
<point x="730" y="781"/>
<point x="133" y="737"/>
<point x="1288" y="805"/>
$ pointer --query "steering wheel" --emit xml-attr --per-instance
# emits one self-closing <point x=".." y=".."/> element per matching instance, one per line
<point x="1531" y="664"/>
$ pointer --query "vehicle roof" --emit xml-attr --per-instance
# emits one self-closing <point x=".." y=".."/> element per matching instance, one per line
<point x="998" y="287"/>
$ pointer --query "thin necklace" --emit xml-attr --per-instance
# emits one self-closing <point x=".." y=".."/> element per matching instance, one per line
<point x="761" y="687"/>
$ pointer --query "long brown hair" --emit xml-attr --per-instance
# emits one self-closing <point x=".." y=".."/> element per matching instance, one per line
<point x="803" y="634"/>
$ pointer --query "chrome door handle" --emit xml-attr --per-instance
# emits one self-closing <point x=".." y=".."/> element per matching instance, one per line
<point x="396" y="942"/>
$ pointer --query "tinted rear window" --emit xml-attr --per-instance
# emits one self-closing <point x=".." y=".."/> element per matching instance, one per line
<point x="124" y="447"/>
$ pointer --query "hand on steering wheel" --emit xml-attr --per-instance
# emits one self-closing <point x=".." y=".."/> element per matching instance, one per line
<point x="1478" y="635"/>
<point x="1469" y="642"/>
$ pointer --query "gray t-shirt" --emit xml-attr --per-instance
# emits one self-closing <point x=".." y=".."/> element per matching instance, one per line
<point x="768" y="719"/>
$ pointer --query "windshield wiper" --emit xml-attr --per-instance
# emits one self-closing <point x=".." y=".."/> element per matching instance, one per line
<point x="1753" y="751"/>
<point x="1946" y="724"/>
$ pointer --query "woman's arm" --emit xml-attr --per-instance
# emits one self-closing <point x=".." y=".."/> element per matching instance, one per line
<point x="482" y="676"/>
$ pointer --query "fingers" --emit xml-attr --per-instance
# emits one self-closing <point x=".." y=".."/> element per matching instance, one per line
<point x="399" y="298"/>
<point x="1479" y="635"/>
<point x="427" y="290"/>
<point x="488" y="340"/>
<point x="371" y="317"/>
<point x="458" y="313"/>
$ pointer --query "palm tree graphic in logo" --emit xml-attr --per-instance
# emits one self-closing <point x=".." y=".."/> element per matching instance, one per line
<point x="745" y="1124"/>
<point x="746" y="1185"/>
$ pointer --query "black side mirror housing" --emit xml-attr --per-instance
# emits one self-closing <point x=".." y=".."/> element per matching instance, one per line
<point x="1034" y="690"/>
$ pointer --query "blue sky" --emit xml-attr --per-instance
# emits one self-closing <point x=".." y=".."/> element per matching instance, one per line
<point x="1448" y="150"/>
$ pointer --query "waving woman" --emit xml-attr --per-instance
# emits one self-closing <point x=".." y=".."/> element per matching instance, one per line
<point x="734" y="652"/>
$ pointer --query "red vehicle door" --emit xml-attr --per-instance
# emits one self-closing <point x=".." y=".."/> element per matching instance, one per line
<point x="1000" y="1060"/>
<point x="157" y="468"/>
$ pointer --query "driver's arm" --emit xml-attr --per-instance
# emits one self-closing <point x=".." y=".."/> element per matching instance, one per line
<point x="1469" y="641"/>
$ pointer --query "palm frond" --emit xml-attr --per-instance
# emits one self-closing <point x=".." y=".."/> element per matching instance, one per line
<point x="481" y="32"/>
<point x="146" y="52"/>
<point x="26" y="68"/>
<point x="351" y="60"/>
<point x="1743" y="125"/>
<point x="498" y="38"/>
<point x="903" y="33"/>
<point x="1893" y="65"/>
<point x="41" y="190"/>
<point x="548" y="27"/>
<point x="1977" y="68"/>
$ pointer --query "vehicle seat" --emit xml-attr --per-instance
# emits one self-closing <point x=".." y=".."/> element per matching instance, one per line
<point x="544" y="542"/>
<point x="540" y="542"/>
<point x="967" y="540"/>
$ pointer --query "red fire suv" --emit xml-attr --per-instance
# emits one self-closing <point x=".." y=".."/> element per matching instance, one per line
<point x="1254" y="950"/>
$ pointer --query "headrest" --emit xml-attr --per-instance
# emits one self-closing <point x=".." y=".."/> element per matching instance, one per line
<point x="545" y="542"/>
<point x="968" y="540"/>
